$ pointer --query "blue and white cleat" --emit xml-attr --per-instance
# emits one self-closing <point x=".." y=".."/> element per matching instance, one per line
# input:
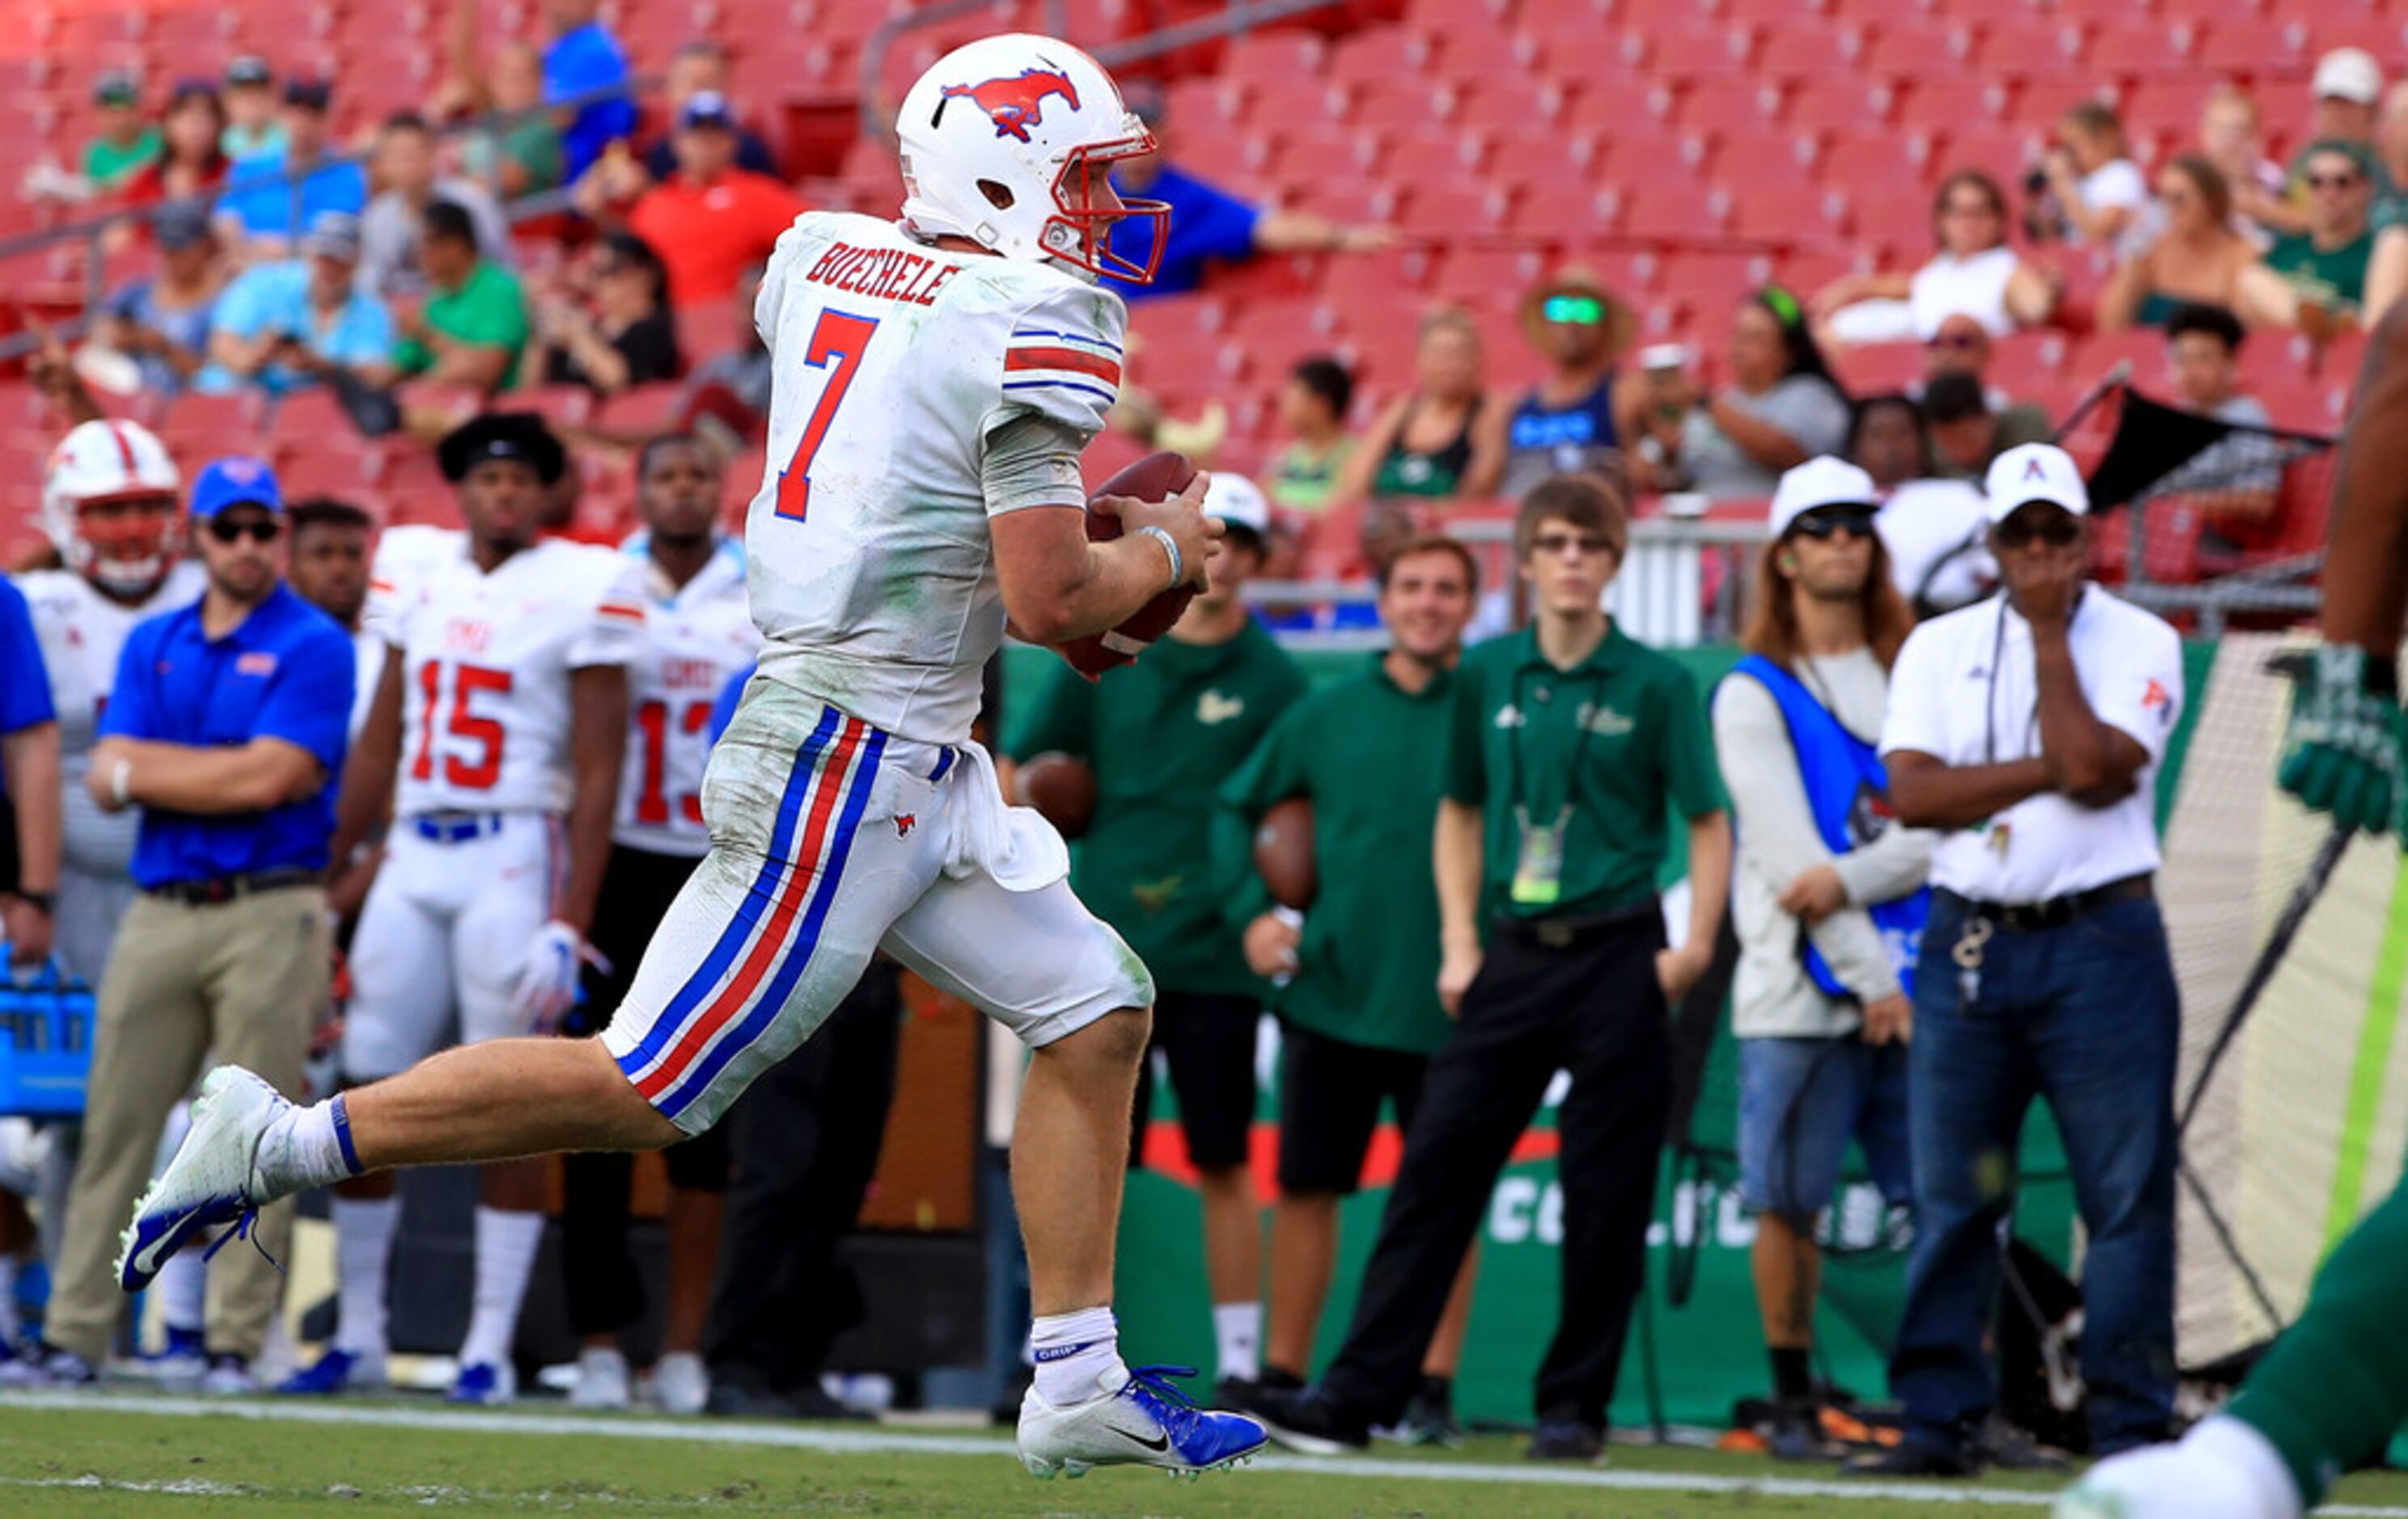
<point x="1135" y="1419"/>
<point x="209" y="1182"/>
<point x="484" y="1384"/>
<point x="337" y="1372"/>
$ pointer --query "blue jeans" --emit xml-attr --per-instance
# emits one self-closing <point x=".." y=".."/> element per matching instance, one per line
<point x="2085" y="1014"/>
<point x="1800" y="1101"/>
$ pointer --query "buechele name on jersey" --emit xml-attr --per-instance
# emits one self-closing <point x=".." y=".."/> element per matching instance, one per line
<point x="886" y="274"/>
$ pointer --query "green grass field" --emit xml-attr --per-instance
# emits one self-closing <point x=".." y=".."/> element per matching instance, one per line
<point x="138" y="1455"/>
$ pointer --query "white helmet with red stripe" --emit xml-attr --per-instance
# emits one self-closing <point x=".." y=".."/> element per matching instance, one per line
<point x="996" y="141"/>
<point x="113" y="465"/>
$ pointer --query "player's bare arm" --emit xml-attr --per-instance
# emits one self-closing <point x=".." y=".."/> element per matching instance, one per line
<point x="598" y="742"/>
<point x="1058" y="586"/>
<point x="374" y="764"/>
<point x="2366" y="565"/>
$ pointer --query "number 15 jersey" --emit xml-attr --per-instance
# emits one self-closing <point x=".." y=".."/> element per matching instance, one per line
<point x="485" y="667"/>
<point x="894" y="365"/>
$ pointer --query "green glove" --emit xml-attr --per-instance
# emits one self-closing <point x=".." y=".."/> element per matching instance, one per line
<point x="2343" y="752"/>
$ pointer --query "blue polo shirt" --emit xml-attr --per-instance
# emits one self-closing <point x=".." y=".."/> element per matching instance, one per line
<point x="262" y="200"/>
<point x="24" y="684"/>
<point x="286" y="672"/>
<point x="578" y="61"/>
<point x="1206" y="224"/>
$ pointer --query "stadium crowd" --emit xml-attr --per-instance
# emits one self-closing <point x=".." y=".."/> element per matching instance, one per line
<point x="325" y="805"/>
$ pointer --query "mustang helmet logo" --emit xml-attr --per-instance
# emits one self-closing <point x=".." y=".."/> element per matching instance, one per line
<point x="903" y="822"/>
<point x="1015" y="105"/>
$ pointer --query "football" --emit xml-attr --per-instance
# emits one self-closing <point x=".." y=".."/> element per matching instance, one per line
<point x="1284" y="853"/>
<point x="1062" y="789"/>
<point x="1157" y="477"/>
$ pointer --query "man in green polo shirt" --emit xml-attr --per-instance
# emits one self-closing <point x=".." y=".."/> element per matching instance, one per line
<point x="1361" y="1016"/>
<point x="470" y="327"/>
<point x="1573" y="747"/>
<point x="1161" y="735"/>
<point x="2326" y="264"/>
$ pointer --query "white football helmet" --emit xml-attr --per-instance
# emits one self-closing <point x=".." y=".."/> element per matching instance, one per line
<point x="129" y="543"/>
<point x="1015" y="120"/>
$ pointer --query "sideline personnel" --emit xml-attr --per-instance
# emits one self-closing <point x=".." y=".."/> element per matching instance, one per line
<point x="2028" y="729"/>
<point x="1828" y="900"/>
<point x="225" y="726"/>
<point x="1572" y="747"/>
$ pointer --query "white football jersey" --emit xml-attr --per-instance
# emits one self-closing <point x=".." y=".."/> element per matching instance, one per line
<point x="872" y="574"/>
<point x="82" y="633"/>
<point x="697" y="639"/>
<point x="485" y="669"/>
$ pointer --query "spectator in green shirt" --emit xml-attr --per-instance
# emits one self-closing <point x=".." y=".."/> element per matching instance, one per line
<point x="1161" y="735"/>
<point x="470" y="327"/>
<point x="2326" y="264"/>
<point x="1573" y="748"/>
<point x="1312" y="406"/>
<point x="128" y="140"/>
<point x="1360" y="1018"/>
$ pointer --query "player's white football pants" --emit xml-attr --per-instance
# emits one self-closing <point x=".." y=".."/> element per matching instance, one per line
<point x="447" y="925"/>
<point x="831" y="841"/>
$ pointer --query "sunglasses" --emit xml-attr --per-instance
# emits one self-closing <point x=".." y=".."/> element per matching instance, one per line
<point x="258" y="529"/>
<point x="1958" y="340"/>
<point x="1574" y="311"/>
<point x="2057" y="529"/>
<point x="1562" y="543"/>
<point x="2332" y="181"/>
<point x="1826" y="522"/>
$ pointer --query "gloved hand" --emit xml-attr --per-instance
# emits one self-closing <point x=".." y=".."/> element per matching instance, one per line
<point x="2341" y="752"/>
<point x="546" y="987"/>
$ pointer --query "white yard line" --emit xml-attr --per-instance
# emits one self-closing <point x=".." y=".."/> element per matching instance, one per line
<point x="885" y="1441"/>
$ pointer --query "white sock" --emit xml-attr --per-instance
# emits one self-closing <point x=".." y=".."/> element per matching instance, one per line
<point x="364" y="1230"/>
<point x="183" y="1288"/>
<point x="8" y="1324"/>
<point x="1073" y="1351"/>
<point x="1237" y="1329"/>
<point x="506" y="1247"/>
<point x="304" y="1148"/>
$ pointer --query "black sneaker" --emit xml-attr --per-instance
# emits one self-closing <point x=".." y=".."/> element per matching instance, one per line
<point x="2011" y="1448"/>
<point x="735" y="1400"/>
<point x="1796" y="1433"/>
<point x="1565" y="1440"/>
<point x="1429" y="1418"/>
<point x="1236" y="1395"/>
<point x="1913" y="1459"/>
<point x="1309" y="1423"/>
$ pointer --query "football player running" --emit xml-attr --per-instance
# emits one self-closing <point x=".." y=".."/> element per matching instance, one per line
<point x="936" y="379"/>
<point x="2334" y="1389"/>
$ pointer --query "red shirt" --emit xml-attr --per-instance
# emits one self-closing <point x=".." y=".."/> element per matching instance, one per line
<point x="709" y="234"/>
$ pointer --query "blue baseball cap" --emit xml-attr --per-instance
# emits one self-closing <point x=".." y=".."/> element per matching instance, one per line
<point x="235" y="481"/>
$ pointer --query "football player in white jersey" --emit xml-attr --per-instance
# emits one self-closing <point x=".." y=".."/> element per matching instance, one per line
<point x="110" y="503"/>
<point x="936" y="379"/>
<point x="699" y="636"/>
<point x="499" y="721"/>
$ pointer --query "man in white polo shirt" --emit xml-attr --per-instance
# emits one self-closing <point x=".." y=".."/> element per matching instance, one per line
<point x="2026" y="730"/>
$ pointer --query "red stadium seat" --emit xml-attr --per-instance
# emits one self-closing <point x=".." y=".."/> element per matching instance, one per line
<point x="1917" y="50"/>
<point x="2140" y="45"/>
<point x="1847" y="105"/>
<point x="1785" y="211"/>
<point x="1737" y="109"/>
<point x="2041" y="51"/>
<point x="2255" y="47"/>
<point x="1673" y="212"/>
<point x="1802" y="50"/>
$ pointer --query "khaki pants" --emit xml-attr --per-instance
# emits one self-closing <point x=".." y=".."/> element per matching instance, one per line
<point x="244" y="978"/>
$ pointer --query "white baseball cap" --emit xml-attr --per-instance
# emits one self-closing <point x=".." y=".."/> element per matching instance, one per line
<point x="1823" y="481"/>
<point x="2035" y="472"/>
<point x="1240" y="502"/>
<point x="2349" y="73"/>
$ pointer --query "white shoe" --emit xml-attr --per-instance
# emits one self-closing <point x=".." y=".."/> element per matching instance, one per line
<point x="1135" y="1418"/>
<point x="601" y="1380"/>
<point x="228" y="1376"/>
<point x="680" y="1383"/>
<point x="2222" y="1469"/>
<point x="209" y="1182"/>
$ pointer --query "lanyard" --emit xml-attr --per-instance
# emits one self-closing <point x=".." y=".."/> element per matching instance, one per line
<point x="1990" y="699"/>
<point x="1593" y="684"/>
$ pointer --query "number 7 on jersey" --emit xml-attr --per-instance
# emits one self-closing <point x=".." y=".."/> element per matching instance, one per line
<point x="842" y="338"/>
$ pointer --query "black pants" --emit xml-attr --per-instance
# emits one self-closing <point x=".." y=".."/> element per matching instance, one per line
<point x="804" y="1139"/>
<point x="1207" y="1040"/>
<point x="605" y="1292"/>
<point x="1595" y="1009"/>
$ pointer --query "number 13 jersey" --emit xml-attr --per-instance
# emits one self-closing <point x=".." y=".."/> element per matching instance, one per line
<point x="486" y="658"/>
<point x="895" y="364"/>
<point x="697" y="639"/>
